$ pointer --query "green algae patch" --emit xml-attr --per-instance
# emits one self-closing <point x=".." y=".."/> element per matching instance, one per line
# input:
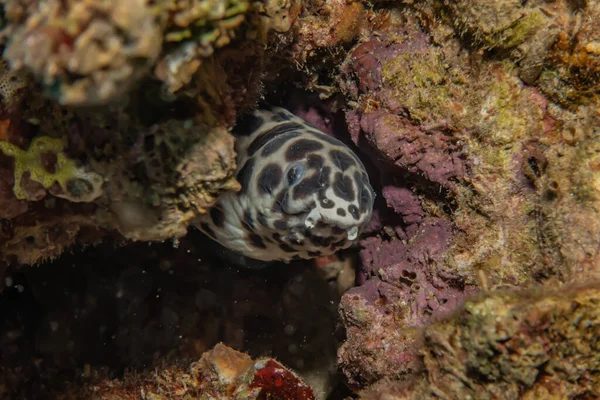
<point x="77" y="185"/>
<point x="522" y="29"/>
<point x="430" y="89"/>
<point x="500" y="24"/>
<point x="504" y="117"/>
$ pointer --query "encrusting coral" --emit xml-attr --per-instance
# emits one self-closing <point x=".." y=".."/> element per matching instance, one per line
<point x="173" y="171"/>
<point x="76" y="184"/>
<point x="459" y="137"/>
<point x="510" y="345"/>
<point x="164" y="157"/>
<point x="11" y="83"/>
<point x="504" y="24"/>
<point x="91" y="53"/>
<point x="84" y="52"/>
<point x="193" y="30"/>
<point x="221" y="373"/>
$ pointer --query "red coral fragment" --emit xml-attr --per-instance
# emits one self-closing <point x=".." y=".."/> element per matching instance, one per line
<point x="279" y="383"/>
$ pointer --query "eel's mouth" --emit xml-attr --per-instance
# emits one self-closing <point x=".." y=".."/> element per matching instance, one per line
<point x="315" y="216"/>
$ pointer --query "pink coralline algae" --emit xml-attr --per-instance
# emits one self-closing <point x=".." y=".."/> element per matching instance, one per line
<point x="403" y="291"/>
<point x="396" y="126"/>
<point x="409" y="269"/>
<point x="363" y="68"/>
<point x="405" y="204"/>
<point x="404" y="284"/>
<point x="431" y="153"/>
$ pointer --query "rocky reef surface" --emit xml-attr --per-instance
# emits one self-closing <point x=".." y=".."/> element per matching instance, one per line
<point x="479" y="122"/>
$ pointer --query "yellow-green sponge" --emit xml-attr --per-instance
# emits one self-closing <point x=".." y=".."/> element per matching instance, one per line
<point x="77" y="185"/>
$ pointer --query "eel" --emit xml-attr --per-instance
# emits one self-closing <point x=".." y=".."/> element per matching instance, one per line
<point x="304" y="194"/>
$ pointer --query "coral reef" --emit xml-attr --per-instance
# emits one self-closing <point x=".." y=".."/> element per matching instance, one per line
<point x="84" y="52"/>
<point x="90" y="53"/>
<point x="513" y="346"/>
<point x="193" y="29"/>
<point x="460" y="141"/>
<point x="477" y="121"/>
<point x="11" y="83"/>
<point x="158" y="133"/>
<point x="496" y="24"/>
<point x="172" y="172"/>
<point x="404" y="290"/>
<point x="162" y="307"/>
<point x="221" y="373"/>
<point x="570" y="73"/>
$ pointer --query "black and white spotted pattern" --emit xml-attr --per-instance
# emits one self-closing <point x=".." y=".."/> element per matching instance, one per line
<point x="304" y="193"/>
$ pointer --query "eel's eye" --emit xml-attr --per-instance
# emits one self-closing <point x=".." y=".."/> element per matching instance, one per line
<point x="295" y="173"/>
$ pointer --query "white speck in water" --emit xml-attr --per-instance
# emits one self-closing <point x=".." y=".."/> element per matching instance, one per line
<point x="8" y="282"/>
<point x="20" y="288"/>
<point x="289" y="329"/>
<point x="164" y="265"/>
<point x="53" y="326"/>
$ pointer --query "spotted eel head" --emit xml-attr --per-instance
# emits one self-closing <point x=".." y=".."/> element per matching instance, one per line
<point x="323" y="186"/>
<point x="304" y="193"/>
